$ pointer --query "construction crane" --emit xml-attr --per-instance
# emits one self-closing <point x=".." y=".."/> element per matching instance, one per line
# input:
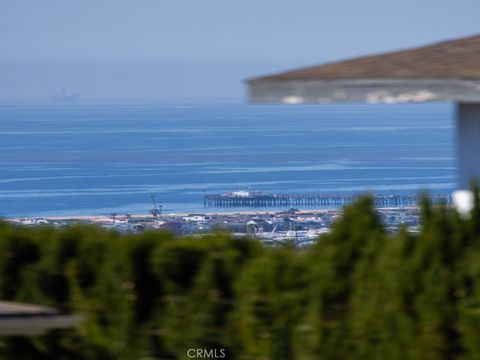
<point x="157" y="210"/>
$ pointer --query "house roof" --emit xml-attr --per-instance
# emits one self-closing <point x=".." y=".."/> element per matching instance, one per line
<point x="9" y="309"/>
<point x="455" y="59"/>
<point x="448" y="70"/>
<point x="28" y="319"/>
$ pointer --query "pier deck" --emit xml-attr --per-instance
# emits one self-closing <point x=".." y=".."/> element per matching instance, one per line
<point x="283" y="200"/>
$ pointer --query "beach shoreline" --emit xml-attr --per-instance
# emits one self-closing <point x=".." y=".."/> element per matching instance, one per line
<point x="94" y="218"/>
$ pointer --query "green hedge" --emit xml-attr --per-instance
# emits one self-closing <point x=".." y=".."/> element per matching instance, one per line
<point x="360" y="293"/>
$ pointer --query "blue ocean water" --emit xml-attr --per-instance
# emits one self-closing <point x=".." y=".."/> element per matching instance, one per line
<point x="98" y="157"/>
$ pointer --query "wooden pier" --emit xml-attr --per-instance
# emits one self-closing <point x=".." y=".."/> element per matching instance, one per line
<point x="321" y="200"/>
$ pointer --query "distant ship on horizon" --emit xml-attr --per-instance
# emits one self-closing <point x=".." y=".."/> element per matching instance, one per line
<point x="63" y="96"/>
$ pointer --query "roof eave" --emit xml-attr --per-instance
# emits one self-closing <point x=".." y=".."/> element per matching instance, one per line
<point x="36" y="325"/>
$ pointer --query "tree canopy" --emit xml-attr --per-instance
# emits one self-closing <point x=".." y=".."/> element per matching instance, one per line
<point x="359" y="293"/>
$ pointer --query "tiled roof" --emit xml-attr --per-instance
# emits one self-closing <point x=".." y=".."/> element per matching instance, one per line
<point x="455" y="59"/>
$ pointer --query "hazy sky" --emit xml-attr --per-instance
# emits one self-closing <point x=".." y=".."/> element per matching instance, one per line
<point x="194" y="48"/>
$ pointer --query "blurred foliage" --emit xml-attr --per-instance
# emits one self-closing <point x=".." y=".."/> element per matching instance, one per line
<point x="359" y="293"/>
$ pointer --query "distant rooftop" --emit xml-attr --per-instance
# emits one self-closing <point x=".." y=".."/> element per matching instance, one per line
<point x="455" y="59"/>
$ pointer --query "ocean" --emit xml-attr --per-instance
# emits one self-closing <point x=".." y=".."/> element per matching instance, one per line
<point x="91" y="157"/>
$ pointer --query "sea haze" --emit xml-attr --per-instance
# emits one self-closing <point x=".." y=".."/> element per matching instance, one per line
<point x="98" y="157"/>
